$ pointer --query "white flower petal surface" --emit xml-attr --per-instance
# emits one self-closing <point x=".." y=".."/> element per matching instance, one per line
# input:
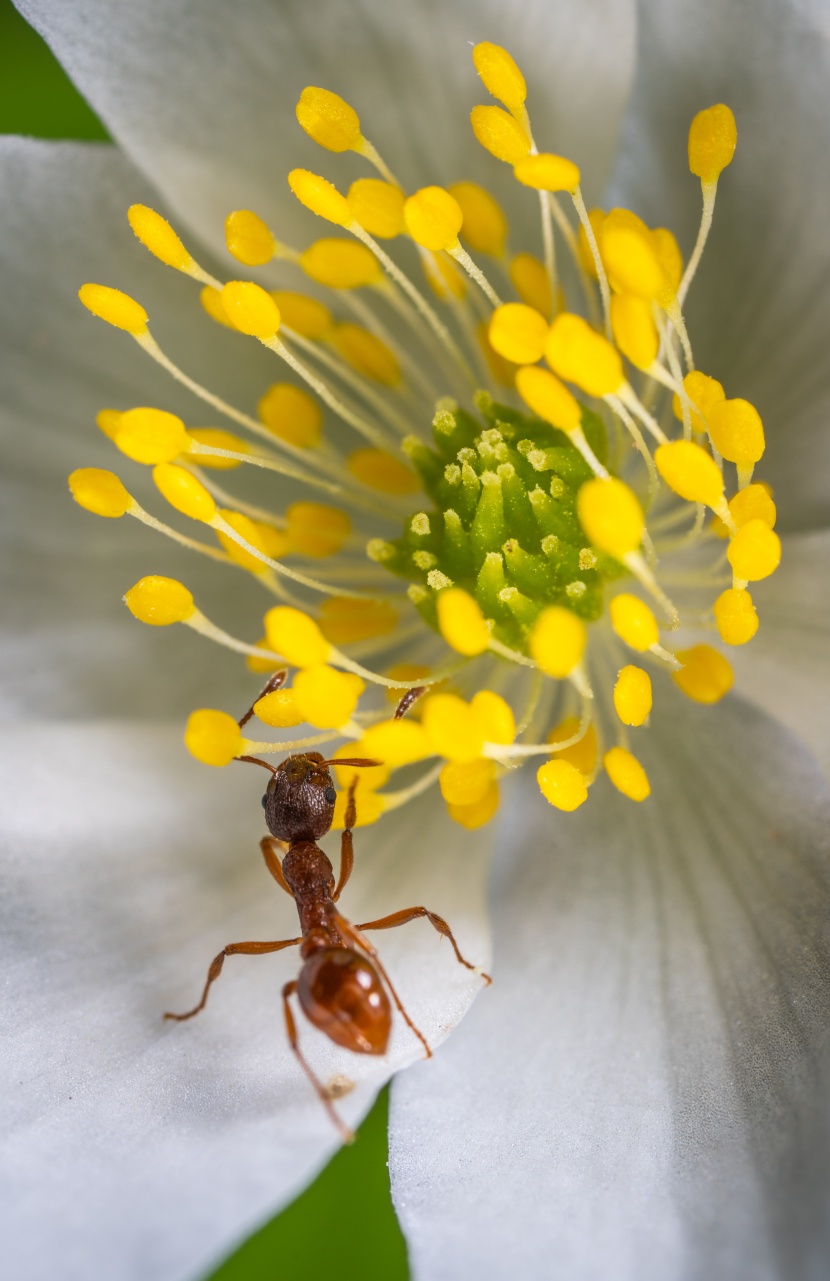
<point x="201" y="95"/>
<point x="70" y="647"/>
<point x="643" y="1095"/>
<point x="138" y="1149"/>
<point x="785" y="669"/>
<point x="759" y="310"/>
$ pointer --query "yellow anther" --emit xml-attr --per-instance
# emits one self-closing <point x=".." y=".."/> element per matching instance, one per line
<point x="99" y="491"/>
<point x="306" y="316"/>
<point x="321" y="197"/>
<point x="213" y="737"/>
<point x="296" y="636"/>
<point x="631" y="262"/>
<point x="367" y="353"/>
<point x="627" y="774"/>
<point x="466" y="782"/>
<point x="500" y="134"/>
<point x="705" y="675"/>
<point x="547" y="172"/>
<point x="635" y="332"/>
<point x="596" y="218"/>
<point x="315" y="529"/>
<point x="325" y="697"/>
<point x="736" y="617"/>
<point x="184" y="492"/>
<point x="274" y="542"/>
<point x="737" y="431"/>
<point x="264" y="664"/>
<point x="557" y="641"/>
<point x="250" y="309"/>
<point x="495" y="716"/>
<point x="156" y="234"/>
<point x="151" y="435"/>
<point x="611" y="516"/>
<point x="396" y="743"/>
<point x="341" y="264"/>
<point x="249" y="239"/>
<point x="461" y="622"/>
<point x="211" y="300"/>
<point x="368" y="777"/>
<point x="159" y="601"/>
<point x="634" y="622"/>
<point x="369" y="807"/>
<point x="107" y="421"/>
<point x="445" y="280"/>
<point x="433" y="218"/>
<point x="501" y="76"/>
<point x="452" y="727"/>
<point x="503" y="371"/>
<point x="532" y="282"/>
<point x="632" y="695"/>
<point x="562" y="784"/>
<point x="485" y="226"/>
<point x="329" y="120"/>
<point x="583" y="753"/>
<point x="279" y="709"/>
<point x="518" y="333"/>
<point x="712" y="138"/>
<point x="690" y="472"/>
<point x="546" y="396"/>
<point x="578" y="353"/>
<point x="755" y="551"/>
<point x="377" y="206"/>
<point x="753" y="502"/>
<point x="247" y="529"/>
<point x="293" y="414"/>
<point x="216" y="438"/>
<point x="665" y="245"/>
<point x="115" y="308"/>
<point x="704" y="393"/>
<point x="345" y="620"/>
<point x="382" y="471"/>
<point x="480" y="812"/>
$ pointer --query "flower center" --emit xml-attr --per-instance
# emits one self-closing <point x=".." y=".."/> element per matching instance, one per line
<point x="567" y="523"/>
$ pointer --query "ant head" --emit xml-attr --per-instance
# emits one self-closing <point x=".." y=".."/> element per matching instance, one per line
<point x="299" y="802"/>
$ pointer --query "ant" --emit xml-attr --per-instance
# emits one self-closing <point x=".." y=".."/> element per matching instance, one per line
<point x="343" y="988"/>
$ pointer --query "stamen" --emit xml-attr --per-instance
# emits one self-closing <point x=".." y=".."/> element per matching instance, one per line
<point x="713" y="137"/>
<point x="156" y="234"/>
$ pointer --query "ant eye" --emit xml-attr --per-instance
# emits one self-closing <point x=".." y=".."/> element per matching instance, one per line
<point x="331" y="795"/>
<point x="265" y="800"/>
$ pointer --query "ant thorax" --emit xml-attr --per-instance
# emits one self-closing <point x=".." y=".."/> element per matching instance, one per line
<point x="308" y="871"/>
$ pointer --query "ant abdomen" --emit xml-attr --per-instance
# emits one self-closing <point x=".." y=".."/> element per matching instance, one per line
<point x="342" y="995"/>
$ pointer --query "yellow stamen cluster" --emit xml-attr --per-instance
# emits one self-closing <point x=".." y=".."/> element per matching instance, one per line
<point x="534" y="528"/>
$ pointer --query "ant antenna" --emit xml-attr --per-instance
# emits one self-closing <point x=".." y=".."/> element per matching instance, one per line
<point x="360" y="761"/>
<point x="254" y="760"/>
<point x="274" y="682"/>
<point x="411" y="696"/>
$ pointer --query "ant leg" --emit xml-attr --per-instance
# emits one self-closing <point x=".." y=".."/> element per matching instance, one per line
<point x="269" y="846"/>
<point x="274" y="682"/>
<point x="293" y="1041"/>
<point x="346" y="843"/>
<point x="233" y="949"/>
<point x="437" y="922"/>
<point x="353" y="935"/>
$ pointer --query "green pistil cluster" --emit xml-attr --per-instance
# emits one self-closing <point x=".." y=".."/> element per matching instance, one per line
<point x="503" y="522"/>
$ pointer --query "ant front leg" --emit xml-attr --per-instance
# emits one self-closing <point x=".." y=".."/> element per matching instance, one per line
<point x="293" y="1040"/>
<point x="437" y="922"/>
<point x="233" y="949"/>
<point x="269" y="846"/>
<point x="347" y="843"/>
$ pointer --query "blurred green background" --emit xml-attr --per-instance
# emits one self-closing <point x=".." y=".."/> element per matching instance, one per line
<point x="344" y="1224"/>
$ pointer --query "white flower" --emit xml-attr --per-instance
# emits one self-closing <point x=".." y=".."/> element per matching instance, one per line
<point x="643" y="1091"/>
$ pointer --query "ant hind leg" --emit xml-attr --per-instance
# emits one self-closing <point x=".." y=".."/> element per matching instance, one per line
<point x="293" y="1040"/>
<point x="437" y="922"/>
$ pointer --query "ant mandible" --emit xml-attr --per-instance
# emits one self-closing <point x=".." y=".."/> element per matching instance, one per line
<point x="343" y="988"/>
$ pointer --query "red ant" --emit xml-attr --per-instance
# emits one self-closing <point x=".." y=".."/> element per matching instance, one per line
<point x="343" y="988"/>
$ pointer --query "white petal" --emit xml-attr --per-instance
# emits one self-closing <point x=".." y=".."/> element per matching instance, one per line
<point x="642" y="1094"/>
<point x="137" y="1149"/>
<point x="202" y="96"/>
<point x="63" y="222"/>
<point x="759" y="310"/>
<point x="786" y="667"/>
